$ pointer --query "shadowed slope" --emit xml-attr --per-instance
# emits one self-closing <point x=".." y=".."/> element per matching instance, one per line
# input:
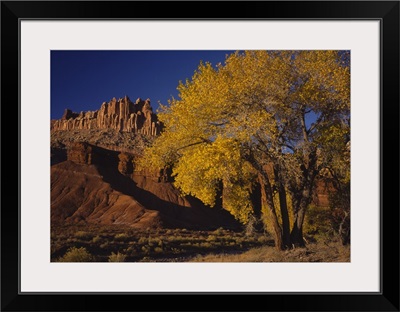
<point x="79" y="194"/>
<point x="99" y="193"/>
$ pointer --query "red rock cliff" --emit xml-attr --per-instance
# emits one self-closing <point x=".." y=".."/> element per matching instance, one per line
<point x="122" y="115"/>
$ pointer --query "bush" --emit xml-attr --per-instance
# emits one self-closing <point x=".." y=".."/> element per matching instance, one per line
<point x="82" y="235"/>
<point x="118" y="257"/>
<point x="146" y="249"/>
<point x="121" y="236"/>
<point x="153" y="241"/>
<point x="143" y="240"/>
<point x="219" y="231"/>
<point x="262" y="239"/>
<point x="205" y="245"/>
<point x="158" y="250"/>
<point x="74" y="254"/>
<point x="253" y="226"/>
<point x="212" y="238"/>
<point x="317" y="223"/>
<point x="104" y="245"/>
<point x="96" y="239"/>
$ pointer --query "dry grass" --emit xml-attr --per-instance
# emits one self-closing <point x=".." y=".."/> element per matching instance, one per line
<point x="180" y="245"/>
<point x="148" y="245"/>
<point x="314" y="252"/>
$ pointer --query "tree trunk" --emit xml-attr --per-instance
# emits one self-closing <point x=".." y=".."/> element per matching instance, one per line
<point x="302" y="198"/>
<point x="267" y="197"/>
<point x="296" y="236"/>
<point x="255" y="198"/>
<point x="284" y="209"/>
<point x="301" y="201"/>
<point x="344" y="229"/>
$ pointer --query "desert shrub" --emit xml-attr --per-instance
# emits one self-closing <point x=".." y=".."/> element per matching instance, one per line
<point x="130" y="250"/>
<point x="96" y="239"/>
<point x="250" y="227"/>
<point x="205" y="245"/>
<point x="178" y="238"/>
<point x="74" y="254"/>
<point x="175" y="250"/>
<point x="219" y="231"/>
<point x="121" y="236"/>
<point x="104" y="245"/>
<point x="116" y="257"/>
<point x="143" y="240"/>
<point x="262" y="239"/>
<point x="158" y="250"/>
<point x="82" y="235"/>
<point x="155" y="241"/>
<point x="317" y="223"/>
<point x="211" y="238"/>
<point x="146" y="249"/>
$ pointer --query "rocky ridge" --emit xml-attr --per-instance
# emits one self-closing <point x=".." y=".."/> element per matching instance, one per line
<point x="121" y="115"/>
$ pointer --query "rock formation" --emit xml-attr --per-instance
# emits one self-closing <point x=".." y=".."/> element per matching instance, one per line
<point x="100" y="186"/>
<point x="125" y="164"/>
<point x="84" y="153"/>
<point x="121" y="115"/>
<point x="80" y="153"/>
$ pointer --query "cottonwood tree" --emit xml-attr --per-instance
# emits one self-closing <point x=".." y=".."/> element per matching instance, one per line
<point x="261" y="117"/>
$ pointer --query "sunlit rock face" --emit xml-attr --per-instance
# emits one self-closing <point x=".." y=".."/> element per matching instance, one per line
<point x="121" y="115"/>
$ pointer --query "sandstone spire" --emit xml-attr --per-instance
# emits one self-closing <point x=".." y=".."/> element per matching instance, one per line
<point x="121" y="115"/>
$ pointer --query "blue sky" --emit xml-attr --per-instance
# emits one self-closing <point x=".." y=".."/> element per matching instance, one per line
<point x="82" y="80"/>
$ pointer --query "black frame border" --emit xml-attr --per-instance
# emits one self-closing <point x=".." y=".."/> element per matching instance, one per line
<point x="386" y="11"/>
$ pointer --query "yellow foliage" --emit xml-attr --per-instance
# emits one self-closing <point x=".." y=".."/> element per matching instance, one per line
<point x="254" y="104"/>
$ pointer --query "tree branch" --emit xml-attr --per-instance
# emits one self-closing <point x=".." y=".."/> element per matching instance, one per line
<point x="303" y="125"/>
<point x="222" y="123"/>
<point x="195" y="143"/>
